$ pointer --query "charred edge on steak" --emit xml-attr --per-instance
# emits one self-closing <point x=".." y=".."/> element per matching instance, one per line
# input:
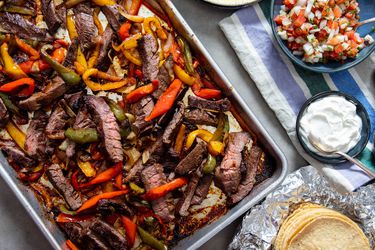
<point x="107" y="207"/>
<point x="111" y="235"/>
<point x="58" y="180"/>
<point x="85" y="25"/>
<point x="148" y="50"/>
<point x="50" y="16"/>
<point x="71" y="55"/>
<point x="202" y="190"/>
<point x="201" y="117"/>
<point x="103" y="61"/>
<point x="173" y="126"/>
<point x="4" y="115"/>
<point x="56" y="123"/>
<point x="185" y="202"/>
<point x="141" y="110"/>
<point x="15" y="154"/>
<point x="193" y="160"/>
<point x="219" y="105"/>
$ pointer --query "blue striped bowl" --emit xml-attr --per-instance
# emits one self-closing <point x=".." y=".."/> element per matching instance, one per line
<point x="367" y="8"/>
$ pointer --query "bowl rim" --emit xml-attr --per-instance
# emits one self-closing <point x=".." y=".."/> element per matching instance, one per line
<point x="366" y="127"/>
<point x="231" y="6"/>
<point x="304" y="65"/>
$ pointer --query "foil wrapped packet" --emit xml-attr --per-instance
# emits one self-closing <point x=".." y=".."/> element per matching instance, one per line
<point x="261" y="224"/>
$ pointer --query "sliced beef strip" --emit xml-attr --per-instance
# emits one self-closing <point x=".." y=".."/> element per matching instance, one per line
<point x="155" y="151"/>
<point x="83" y="120"/>
<point x="71" y="55"/>
<point x="103" y="61"/>
<point x="36" y="144"/>
<point x="164" y="80"/>
<point x="173" y="126"/>
<point x="55" y="89"/>
<point x="152" y="177"/>
<point x="73" y="99"/>
<point x="202" y="190"/>
<point x="56" y="123"/>
<point x="61" y="14"/>
<point x="228" y="174"/>
<point x="193" y="159"/>
<point x="107" y="207"/>
<point x="219" y="105"/>
<point x="4" y="115"/>
<point x="251" y="158"/>
<point x="15" y="154"/>
<point x="201" y="117"/>
<point x="141" y="110"/>
<point x="111" y="235"/>
<point x="16" y="24"/>
<point x="58" y="180"/>
<point x="185" y="201"/>
<point x="85" y="25"/>
<point x="107" y="125"/>
<point x="148" y="50"/>
<point x="113" y="16"/>
<point x="50" y="15"/>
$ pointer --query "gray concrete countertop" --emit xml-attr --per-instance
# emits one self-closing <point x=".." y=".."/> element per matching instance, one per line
<point x="18" y="231"/>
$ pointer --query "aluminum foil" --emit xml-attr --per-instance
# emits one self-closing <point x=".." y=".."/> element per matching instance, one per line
<point x="261" y="224"/>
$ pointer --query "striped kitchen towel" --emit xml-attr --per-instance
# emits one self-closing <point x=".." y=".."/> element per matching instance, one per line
<point x="286" y="87"/>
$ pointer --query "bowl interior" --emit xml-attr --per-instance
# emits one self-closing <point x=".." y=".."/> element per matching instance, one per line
<point x="367" y="10"/>
<point x="365" y="132"/>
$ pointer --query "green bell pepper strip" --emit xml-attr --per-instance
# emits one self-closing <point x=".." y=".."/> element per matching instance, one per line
<point x="82" y="136"/>
<point x="18" y="10"/>
<point x="209" y="165"/>
<point x="116" y="110"/>
<point x="9" y="104"/>
<point x="150" y="240"/>
<point x="68" y="75"/>
<point x="187" y="55"/>
<point x="222" y="128"/>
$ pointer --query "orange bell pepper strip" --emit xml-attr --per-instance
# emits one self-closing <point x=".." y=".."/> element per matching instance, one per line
<point x="94" y="200"/>
<point x="142" y="91"/>
<point x="180" y="139"/>
<point x="66" y="218"/>
<point x="33" y="53"/>
<point x="12" y="86"/>
<point x="124" y="31"/>
<point x="104" y="176"/>
<point x="10" y="67"/>
<point x="135" y="6"/>
<point x="161" y="191"/>
<point x="71" y="245"/>
<point x="166" y="100"/>
<point x="114" y="81"/>
<point x="130" y="230"/>
<point x="206" y="93"/>
<point x="40" y="65"/>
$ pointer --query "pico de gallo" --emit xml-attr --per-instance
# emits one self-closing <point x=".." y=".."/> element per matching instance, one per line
<point x="321" y="30"/>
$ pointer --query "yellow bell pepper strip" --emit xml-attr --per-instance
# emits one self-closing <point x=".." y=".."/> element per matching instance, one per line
<point x="71" y="3"/>
<point x="205" y="135"/>
<point x="12" y="69"/>
<point x="87" y="169"/>
<point x="33" y="53"/>
<point x="135" y="6"/>
<point x="129" y="43"/>
<point x="79" y="68"/>
<point x="94" y="86"/>
<point x="94" y="200"/>
<point x="97" y="22"/>
<point x="166" y="100"/>
<point x="215" y="147"/>
<point x="68" y="75"/>
<point x="104" y="176"/>
<point x="17" y="135"/>
<point x="180" y="139"/>
<point x="142" y="91"/>
<point x="183" y="76"/>
<point x="187" y="55"/>
<point x="159" y="30"/>
<point x="73" y="34"/>
<point x="94" y="56"/>
<point x="102" y="3"/>
<point x="132" y="58"/>
<point x="13" y="86"/>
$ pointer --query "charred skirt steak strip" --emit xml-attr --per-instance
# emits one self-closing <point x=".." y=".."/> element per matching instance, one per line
<point x="219" y="105"/>
<point x="50" y="16"/>
<point x="201" y="117"/>
<point x="193" y="160"/>
<point x="185" y="202"/>
<point x="15" y="154"/>
<point x="202" y="190"/>
<point x="4" y="115"/>
<point x="228" y="173"/>
<point x="58" y="180"/>
<point x="71" y="55"/>
<point x="152" y="177"/>
<point x="84" y="22"/>
<point x="36" y="140"/>
<point x="112" y="15"/>
<point x="111" y="235"/>
<point x="251" y="158"/>
<point x="148" y="49"/>
<point x="141" y="110"/>
<point x="173" y="126"/>
<point x="103" y="61"/>
<point x="107" y="126"/>
<point x="56" y="123"/>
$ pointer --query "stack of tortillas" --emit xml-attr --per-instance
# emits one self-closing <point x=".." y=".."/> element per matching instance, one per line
<point x="313" y="226"/>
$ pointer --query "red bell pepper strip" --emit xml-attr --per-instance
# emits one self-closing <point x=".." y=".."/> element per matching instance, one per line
<point x="166" y="100"/>
<point x="124" y="31"/>
<point x="12" y="86"/>
<point x="139" y="74"/>
<point x="118" y="181"/>
<point x="94" y="200"/>
<point x="40" y="65"/>
<point x="104" y="176"/>
<point x="66" y="218"/>
<point x="71" y="245"/>
<point x="75" y="183"/>
<point x="31" y="177"/>
<point x="161" y="191"/>
<point x="206" y="93"/>
<point x="130" y="229"/>
<point x="33" y="53"/>
<point x="142" y="91"/>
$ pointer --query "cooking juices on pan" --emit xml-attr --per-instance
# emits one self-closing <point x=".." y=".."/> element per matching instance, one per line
<point x="112" y="121"/>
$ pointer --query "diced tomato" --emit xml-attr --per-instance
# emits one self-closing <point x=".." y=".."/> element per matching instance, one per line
<point x="327" y="12"/>
<point x="331" y="3"/>
<point x="340" y="1"/>
<point x="349" y="15"/>
<point x="350" y="34"/>
<point x="339" y="48"/>
<point x="300" y="19"/>
<point x="353" y="6"/>
<point x="289" y="3"/>
<point x="301" y="32"/>
<point x="279" y="20"/>
<point x="293" y="45"/>
<point x="334" y="41"/>
<point x="322" y="35"/>
<point x="337" y="11"/>
<point x="332" y="24"/>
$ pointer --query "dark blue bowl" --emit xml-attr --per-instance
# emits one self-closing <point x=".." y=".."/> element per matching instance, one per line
<point x="367" y="8"/>
<point x="365" y="132"/>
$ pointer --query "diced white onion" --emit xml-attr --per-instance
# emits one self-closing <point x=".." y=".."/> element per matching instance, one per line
<point x="308" y="48"/>
<point x="323" y="24"/>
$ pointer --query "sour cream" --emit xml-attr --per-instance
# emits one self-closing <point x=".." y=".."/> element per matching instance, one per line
<point x="333" y="123"/>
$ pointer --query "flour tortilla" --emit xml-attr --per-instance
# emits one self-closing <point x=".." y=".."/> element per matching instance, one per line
<point x="312" y="226"/>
